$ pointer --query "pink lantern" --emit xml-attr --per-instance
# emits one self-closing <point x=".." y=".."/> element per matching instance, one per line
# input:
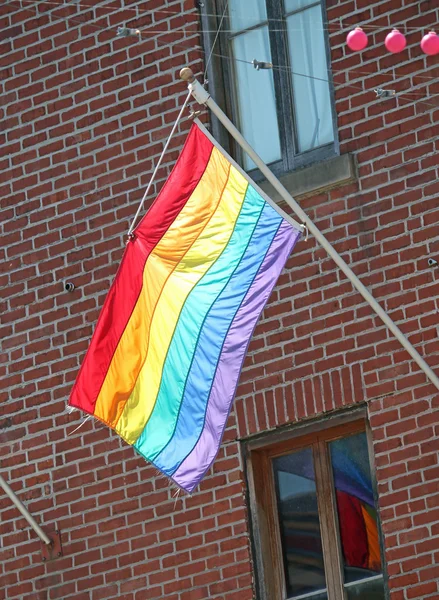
<point x="430" y="43"/>
<point x="357" y="39"/>
<point x="395" y="41"/>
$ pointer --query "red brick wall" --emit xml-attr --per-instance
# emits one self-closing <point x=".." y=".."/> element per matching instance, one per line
<point x="84" y="117"/>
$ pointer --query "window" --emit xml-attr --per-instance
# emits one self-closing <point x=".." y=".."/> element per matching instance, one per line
<point x="314" y="517"/>
<point x="286" y="113"/>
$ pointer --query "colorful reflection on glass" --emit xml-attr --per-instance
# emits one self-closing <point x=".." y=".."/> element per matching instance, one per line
<point x="356" y="511"/>
<point x="299" y="524"/>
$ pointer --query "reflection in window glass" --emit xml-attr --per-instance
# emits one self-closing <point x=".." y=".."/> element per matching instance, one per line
<point x="256" y="99"/>
<point x="372" y="589"/>
<point x="357" y="517"/>
<point x="299" y="524"/>
<point x="246" y="14"/>
<point x="312" y="101"/>
<point x="291" y="5"/>
<point x="285" y="113"/>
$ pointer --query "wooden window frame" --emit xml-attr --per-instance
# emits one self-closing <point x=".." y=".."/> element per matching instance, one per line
<point x="267" y="546"/>
<point x="221" y="78"/>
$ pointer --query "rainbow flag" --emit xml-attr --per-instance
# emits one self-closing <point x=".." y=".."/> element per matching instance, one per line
<point x="164" y="361"/>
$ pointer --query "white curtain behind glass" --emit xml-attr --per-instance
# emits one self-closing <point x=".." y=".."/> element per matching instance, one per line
<point x="255" y="93"/>
<point x="312" y="102"/>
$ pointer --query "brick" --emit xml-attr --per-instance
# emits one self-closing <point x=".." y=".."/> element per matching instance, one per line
<point x="85" y="118"/>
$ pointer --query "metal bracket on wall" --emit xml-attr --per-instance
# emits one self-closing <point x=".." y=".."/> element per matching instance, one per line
<point x="51" y="546"/>
<point x="384" y="93"/>
<point x="258" y="64"/>
<point x="54" y="550"/>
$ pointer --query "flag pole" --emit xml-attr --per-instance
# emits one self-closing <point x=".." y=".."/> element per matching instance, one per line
<point x="203" y="97"/>
<point x="26" y="514"/>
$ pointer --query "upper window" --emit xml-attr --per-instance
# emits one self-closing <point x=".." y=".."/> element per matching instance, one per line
<point x="316" y="518"/>
<point x="286" y="113"/>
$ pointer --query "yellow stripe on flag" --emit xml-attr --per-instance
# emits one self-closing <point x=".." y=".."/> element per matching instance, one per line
<point x="196" y="262"/>
<point x="132" y="348"/>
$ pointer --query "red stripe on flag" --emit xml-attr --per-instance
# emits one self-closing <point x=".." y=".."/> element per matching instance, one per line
<point x="126" y="288"/>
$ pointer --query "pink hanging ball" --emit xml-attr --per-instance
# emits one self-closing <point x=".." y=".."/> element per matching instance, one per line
<point x="395" y="41"/>
<point x="430" y="43"/>
<point x="357" y="39"/>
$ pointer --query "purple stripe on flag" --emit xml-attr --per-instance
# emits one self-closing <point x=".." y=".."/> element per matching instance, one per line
<point x="195" y="465"/>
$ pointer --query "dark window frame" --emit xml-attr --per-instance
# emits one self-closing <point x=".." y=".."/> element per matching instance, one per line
<point x="220" y="76"/>
<point x="262" y="501"/>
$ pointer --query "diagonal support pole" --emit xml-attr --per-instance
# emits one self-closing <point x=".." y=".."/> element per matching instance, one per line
<point x="202" y="97"/>
<point x="26" y="514"/>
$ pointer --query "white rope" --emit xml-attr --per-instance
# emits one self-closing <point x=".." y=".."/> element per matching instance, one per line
<point x="80" y="425"/>
<point x="159" y="162"/>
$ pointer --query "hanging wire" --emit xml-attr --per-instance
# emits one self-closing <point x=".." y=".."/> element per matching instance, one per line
<point x="215" y="40"/>
<point x="278" y="67"/>
<point x="200" y="48"/>
<point x="74" y="3"/>
<point x="159" y="162"/>
<point x="59" y="18"/>
<point x="212" y="53"/>
<point x="108" y="187"/>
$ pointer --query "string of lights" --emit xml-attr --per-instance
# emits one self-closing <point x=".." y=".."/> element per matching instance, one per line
<point x="230" y="58"/>
<point x="107" y="189"/>
<point x="183" y="28"/>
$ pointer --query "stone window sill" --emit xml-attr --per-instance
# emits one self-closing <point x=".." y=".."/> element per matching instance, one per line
<point x="320" y="177"/>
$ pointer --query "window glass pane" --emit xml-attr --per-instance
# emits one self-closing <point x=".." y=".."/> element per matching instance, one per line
<point x="255" y="95"/>
<point x="246" y="13"/>
<point x="356" y="512"/>
<point x="312" y="100"/>
<point x="299" y="524"/>
<point x="291" y="5"/>
<point x="367" y="590"/>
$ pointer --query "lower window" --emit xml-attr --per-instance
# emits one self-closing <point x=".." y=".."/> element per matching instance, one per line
<point x="314" y="516"/>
